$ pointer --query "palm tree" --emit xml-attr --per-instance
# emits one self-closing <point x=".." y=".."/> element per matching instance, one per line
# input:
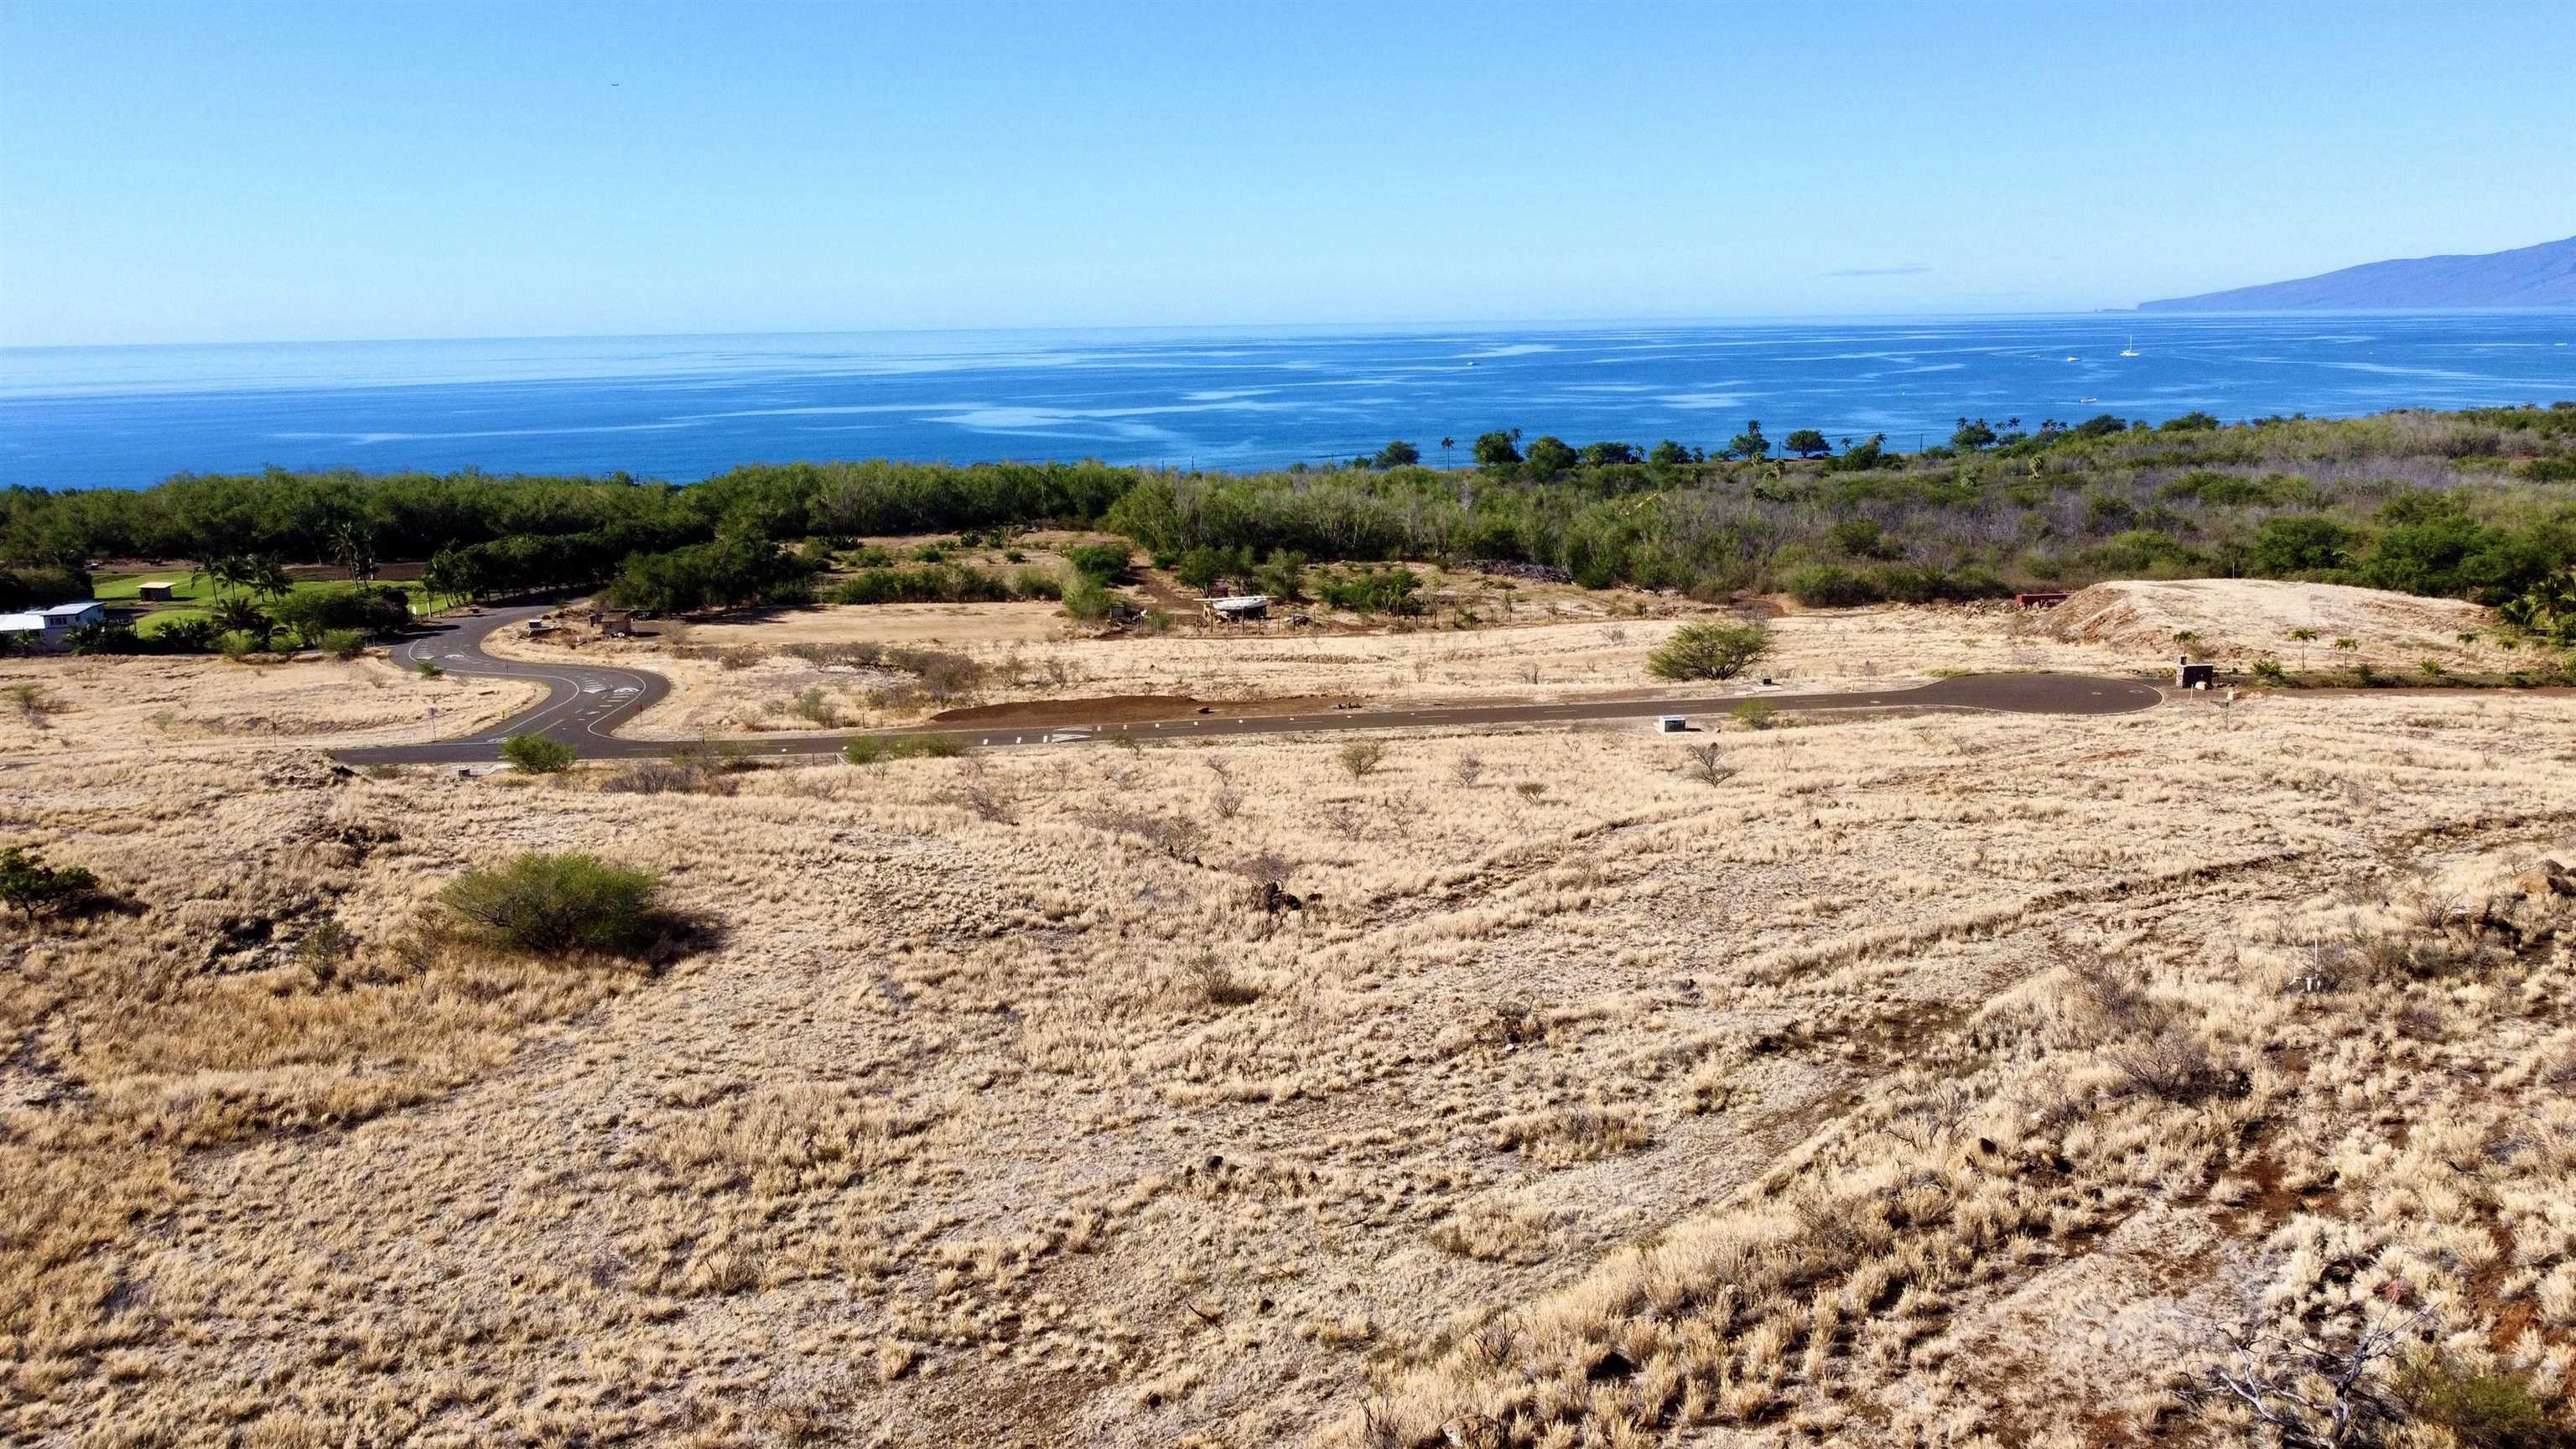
<point x="2305" y="636"/>
<point x="237" y="615"/>
<point x="226" y="571"/>
<point x="269" y="579"/>
<point x="354" y="548"/>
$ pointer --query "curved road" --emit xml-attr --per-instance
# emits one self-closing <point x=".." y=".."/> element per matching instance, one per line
<point x="585" y="703"/>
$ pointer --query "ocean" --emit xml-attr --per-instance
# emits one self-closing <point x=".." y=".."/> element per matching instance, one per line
<point x="682" y="408"/>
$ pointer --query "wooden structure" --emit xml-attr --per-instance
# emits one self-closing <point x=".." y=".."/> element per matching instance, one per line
<point x="158" y="591"/>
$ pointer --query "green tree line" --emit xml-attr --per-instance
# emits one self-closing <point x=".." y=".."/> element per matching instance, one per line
<point x="2477" y="503"/>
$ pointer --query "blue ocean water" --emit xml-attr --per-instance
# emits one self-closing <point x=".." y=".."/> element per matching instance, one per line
<point x="681" y="408"/>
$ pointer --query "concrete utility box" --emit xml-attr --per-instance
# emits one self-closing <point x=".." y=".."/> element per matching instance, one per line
<point x="2194" y="676"/>
<point x="1671" y="724"/>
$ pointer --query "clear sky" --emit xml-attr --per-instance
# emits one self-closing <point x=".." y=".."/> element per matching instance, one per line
<point x="213" y="171"/>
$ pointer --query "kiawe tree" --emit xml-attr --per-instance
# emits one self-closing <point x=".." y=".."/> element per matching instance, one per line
<point x="1807" y="443"/>
<point x="1499" y="448"/>
<point x="1972" y="436"/>
<point x="1551" y="456"/>
<point x="1750" y="444"/>
<point x="1398" y="454"/>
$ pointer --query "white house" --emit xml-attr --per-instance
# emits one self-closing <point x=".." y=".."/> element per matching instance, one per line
<point x="51" y="628"/>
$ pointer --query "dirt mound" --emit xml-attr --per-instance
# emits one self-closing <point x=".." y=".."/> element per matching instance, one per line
<point x="2257" y="618"/>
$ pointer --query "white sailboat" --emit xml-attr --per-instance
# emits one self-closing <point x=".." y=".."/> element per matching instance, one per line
<point x="2131" y="349"/>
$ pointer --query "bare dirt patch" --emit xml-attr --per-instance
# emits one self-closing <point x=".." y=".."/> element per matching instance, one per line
<point x="2248" y="619"/>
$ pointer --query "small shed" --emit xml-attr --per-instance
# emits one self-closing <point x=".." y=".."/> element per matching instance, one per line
<point x="2188" y="675"/>
<point x="158" y="591"/>
<point x="1239" y="607"/>
<point x="615" y="623"/>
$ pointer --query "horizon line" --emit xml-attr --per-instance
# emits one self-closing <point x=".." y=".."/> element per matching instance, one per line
<point x="1427" y="324"/>
<point x="1744" y="319"/>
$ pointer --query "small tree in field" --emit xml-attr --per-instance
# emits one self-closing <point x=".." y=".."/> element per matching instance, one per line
<point x="562" y="902"/>
<point x="1361" y="757"/>
<point x="537" y="755"/>
<point x="33" y="888"/>
<point x="1711" y="649"/>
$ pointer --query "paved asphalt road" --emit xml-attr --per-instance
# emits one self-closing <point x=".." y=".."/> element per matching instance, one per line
<point x="584" y="704"/>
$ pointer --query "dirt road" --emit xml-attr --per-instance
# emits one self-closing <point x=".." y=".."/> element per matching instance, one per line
<point x="584" y="704"/>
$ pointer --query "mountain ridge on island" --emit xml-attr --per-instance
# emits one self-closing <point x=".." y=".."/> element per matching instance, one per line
<point x="2533" y="276"/>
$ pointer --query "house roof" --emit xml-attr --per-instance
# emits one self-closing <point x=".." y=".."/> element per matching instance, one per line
<point x="19" y="623"/>
<point x="1239" y="601"/>
<point x="70" y="611"/>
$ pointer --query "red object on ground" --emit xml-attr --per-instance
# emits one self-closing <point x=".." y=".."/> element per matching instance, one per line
<point x="2045" y="600"/>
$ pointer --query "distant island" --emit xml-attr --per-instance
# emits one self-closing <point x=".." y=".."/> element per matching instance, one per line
<point x="2535" y="276"/>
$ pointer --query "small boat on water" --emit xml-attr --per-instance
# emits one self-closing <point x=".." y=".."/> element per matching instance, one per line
<point x="2131" y="349"/>
<point x="2088" y="399"/>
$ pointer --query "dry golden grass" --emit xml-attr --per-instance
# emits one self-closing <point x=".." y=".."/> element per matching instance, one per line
<point x="1930" y="1080"/>
<point x="154" y="702"/>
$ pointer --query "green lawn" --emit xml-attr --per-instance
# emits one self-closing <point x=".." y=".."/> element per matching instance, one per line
<point x="190" y="598"/>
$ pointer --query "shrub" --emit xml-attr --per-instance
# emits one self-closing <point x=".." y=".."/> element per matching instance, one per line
<point x="2175" y="1066"/>
<point x="1086" y="599"/>
<point x="312" y="614"/>
<point x="937" y="584"/>
<point x="1360" y="758"/>
<point x="542" y="902"/>
<point x="32" y="888"/>
<point x="343" y="643"/>
<point x="1375" y="591"/>
<point x="683" y="774"/>
<point x="428" y="669"/>
<point x="2485" y="1411"/>
<point x="239" y="643"/>
<point x="537" y="755"/>
<point x="1831" y="586"/>
<point x="193" y="635"/>
<point x="868" y="749"/>
<point x="1756" y="714"/>
<point x="1710" y="649"/>
<point x="1707" y="764"/>
<point x="1102" y="563"/>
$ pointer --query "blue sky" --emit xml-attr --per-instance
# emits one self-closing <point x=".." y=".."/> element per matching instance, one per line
<point x="234" y="172"/>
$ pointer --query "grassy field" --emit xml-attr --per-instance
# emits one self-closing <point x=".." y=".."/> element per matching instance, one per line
<point x="1956" y="1080"/>
<point x="190" y="598"/>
